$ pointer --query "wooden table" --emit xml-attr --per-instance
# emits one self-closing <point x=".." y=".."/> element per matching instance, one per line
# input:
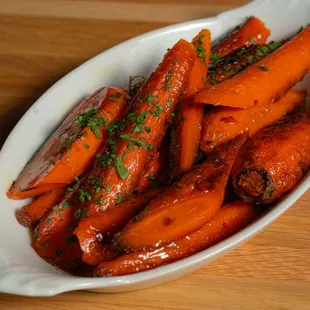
<point x="42" y="40"/>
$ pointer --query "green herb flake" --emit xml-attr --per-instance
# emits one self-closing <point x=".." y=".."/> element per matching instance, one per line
<point x="145" y="210"/>
<point x="131" y="139"/>
<point x="70" y="189"/>
<point x="67" y="204"/>
<point x="168" y="103"/>
<point x="120" y="168"/>
<point x="130" y="146"/>
<point x="152" y="177"/>
<point x="149" y="147"/>
<point x="80" y="213"/>
<point x="215" y="57"/>
<point x="115" y="96"/>
<point x="100" y="201"/>
<point x="175" y="60"/>
<point x="55" y="207"/>
<point x="138" y="218"/>
<point x="168" y="79"/>
<point x="253" y="40"/>
<point x="250" y="58"/>
<point x="263" y="68"/>
<point x="120" y="198"/>
<point x="274" y="45"/>
<point x="86" y="145"/>
<point x="147" y="129"/>
<point x="107" y="187"/>
<point x="51" y="161"/>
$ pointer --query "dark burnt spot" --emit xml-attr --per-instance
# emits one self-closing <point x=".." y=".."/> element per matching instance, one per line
<point x="167" y="220"/>
<point x="256" y="102"/>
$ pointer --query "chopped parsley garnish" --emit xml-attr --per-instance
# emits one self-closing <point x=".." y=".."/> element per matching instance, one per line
<point x="83" y="195"/>
<point x="131" y="139"/>
<point x="120" y="168"/>
<point x="168" y="103"/>
<point x="149" y="147"/>
<point x="250" y="58"/>
<point x="80" y="213"/>
<point x="175" y="60"/>
<point x="51" y="161"/>
<point x="107" y="187"/>
<point x="86" y="145"/>
<point x="200" y="50"/>
<point x="152" y="177"/>
<point x="100" y="201"/>
<point x="88" y="119"/>
<point x="253" y="40"/>
<point x="274" y="45"/>
<point x="147" y="129"/>
<point x="168" y="79"/>
<point x="130" y="146"/>
<point x="215" y="57"/>
<point x="115" y="96"/>
<point x="138" y="218"/>
<point x="67" y="204"/>
<point x="95" y="183"/>
<point x="263" y="68"/>
<point x="58" y="252"/>
<point x="120" y="198"/>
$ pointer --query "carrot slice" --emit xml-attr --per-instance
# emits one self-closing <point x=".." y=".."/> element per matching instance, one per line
<point x="224" y="124"/>
<point x="267" y="80"/>
<point x="72" y="147"/>
<point x="93" y="231"/>
<point x="120" y="167"/>
<point x="186" y="129"/>
<point x="30" y="214"/>
<point x="186" y="206"/>
<point x="229" y="219"/>
<point x="253" y="31"/>
<point x="273" y="161"/>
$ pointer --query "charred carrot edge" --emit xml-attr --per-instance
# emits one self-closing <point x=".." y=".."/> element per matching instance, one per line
<point x="94" y="232"/>
<point x="230" y="219"/>
<point x="253" y="31"/>
<point x="70" y="151"/>
<point x="224" y="124"/>
<point x="186" y="129"/>
<point x="286" y="143"/>
<point x="267" y="80"/>
<point x="120" y="167"/>
<point x="199" y="193"/>
<point x="227" y="67"/>
<point x="30" y="214"/>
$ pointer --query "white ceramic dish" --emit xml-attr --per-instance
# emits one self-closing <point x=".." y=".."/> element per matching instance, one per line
<point x="21" y="270"/>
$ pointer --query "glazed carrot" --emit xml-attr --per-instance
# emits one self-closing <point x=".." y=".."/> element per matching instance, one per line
<point x="273" y="161"/>
<point x="152" y="172"/>
<point x="30" y="214"/>
<point x="265" y="81"/>
<point x="224" y="124"/>
<point x="186" y="206"/>
<point x="186" y="128"/>
<point x="225" y="68"/>
<point x="72" y="147"/>
<point x="119" y="168"/>
<point x="53" y="238"/>
<point x="94" y="231"/>
<point x="253" y="31"/>
<point x="229" y="219"/>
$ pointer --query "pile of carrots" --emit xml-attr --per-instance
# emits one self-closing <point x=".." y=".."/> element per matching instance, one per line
<point x="132" y="180"/>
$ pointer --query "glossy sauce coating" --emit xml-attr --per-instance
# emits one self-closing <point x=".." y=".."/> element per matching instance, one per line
<point x="95" y="231"/>
<point x="30" y="214"/>
<point x="224" y="123"/>
<point x="186" y="206"/>
<point x="70" y="150"/>
<point x="155" y="101"/>
<point x="186" y="128"/>
<point x="228" y="220"/>
<point x="265" y="81"/>
<point x="252" y="31"/>
<point x="272" y="162"/>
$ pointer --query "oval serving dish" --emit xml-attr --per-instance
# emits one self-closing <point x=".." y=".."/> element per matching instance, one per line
<point x="21" y="270"/>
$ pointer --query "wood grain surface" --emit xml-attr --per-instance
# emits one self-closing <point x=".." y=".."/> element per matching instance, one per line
<point x="41" y="41"/>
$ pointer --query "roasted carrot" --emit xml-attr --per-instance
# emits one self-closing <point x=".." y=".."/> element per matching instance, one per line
<point x="186" y="206"/>
<point x="253" y="31"/>
<point x="93" y="231"/>
<point x="225" y="68"/>
<point x="224" y="123"/>
<point x="119" y="168"/>
<point x="30" y="214"/>
<point x="186" y="128"/>
<point x="273" y="161"/>
<point x="265" y="81"/>
<point x="229" y="219"/>
<point x="72" y="147"/>
<point x="53" y="238"/>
